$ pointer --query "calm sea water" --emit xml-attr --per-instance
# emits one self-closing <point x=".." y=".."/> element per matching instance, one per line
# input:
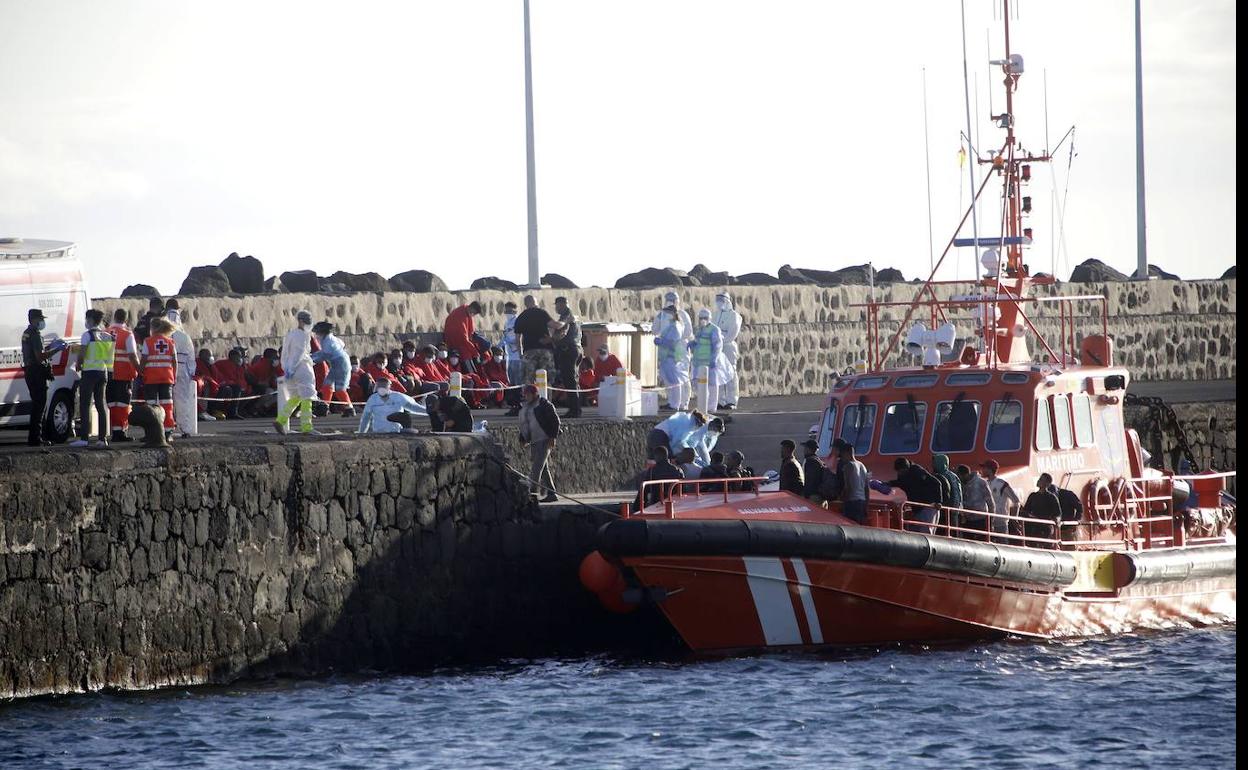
<point x="1154" y="700"/>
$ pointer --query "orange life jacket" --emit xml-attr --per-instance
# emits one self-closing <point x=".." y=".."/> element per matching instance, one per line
<point x="123" y="369"/>
<point x="158" y="360"/>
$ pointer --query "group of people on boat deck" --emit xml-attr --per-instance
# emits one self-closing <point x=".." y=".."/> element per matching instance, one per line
<point x="969" y="500"/>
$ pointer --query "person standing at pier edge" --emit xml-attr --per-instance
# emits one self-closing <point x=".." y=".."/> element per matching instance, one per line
<point x="37" y="373"/>
<point x="185" y="409"/>
<point x="705" y="350"/>
<point x="511" y="355"/>
<point x="160" y="370"/>
<point x="661" y="321"/>
<point x="458" y="330"/>
<point x="300" y="379"/>
<point x="673" y="357"/>
<point x="95" y="359"/>
<point x="790" y="471"/>
<point x="539" y="428"/>
<point x="729" y="322"/>
<point x="121" y="380"/>
<point x="338" y="379"/>
<point x="568" y="354"/>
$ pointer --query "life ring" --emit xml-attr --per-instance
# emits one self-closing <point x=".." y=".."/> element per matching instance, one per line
<point x="1097" y="497"/>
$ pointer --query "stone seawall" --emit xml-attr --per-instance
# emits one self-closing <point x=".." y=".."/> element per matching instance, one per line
<point x="794" y="337"/>
<point x="144" y="568"/>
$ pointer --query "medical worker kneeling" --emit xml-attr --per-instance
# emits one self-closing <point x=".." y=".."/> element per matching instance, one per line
<point x="382" y="405"/>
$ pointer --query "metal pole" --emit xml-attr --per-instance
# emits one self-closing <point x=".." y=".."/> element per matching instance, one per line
<point x="1141" y="247"/>
<point x="966" y="86"/>
<point x="927" y="159"/>
<point x="534" y="272"/>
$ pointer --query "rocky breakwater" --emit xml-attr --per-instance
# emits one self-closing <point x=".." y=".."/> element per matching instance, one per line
<point x="794" y="336"/>
<point x="206" y="563"/>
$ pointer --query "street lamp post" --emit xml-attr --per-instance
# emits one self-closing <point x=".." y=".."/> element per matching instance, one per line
<point x="534" y="272"/>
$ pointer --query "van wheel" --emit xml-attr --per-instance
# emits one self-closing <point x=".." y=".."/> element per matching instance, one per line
<point x="58" y="426"/>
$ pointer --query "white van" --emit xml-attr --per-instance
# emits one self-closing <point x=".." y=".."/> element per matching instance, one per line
<point x="46" y="275"/>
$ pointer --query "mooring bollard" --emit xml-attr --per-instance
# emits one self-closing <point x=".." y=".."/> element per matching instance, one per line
<point x="456" y="386"/>
<point x="539" y="379"/>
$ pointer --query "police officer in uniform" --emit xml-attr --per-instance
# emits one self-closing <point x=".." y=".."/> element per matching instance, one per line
<point x="37" y="372"/>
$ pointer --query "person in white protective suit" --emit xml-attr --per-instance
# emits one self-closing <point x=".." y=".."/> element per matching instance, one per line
<point x="382" y="406"/>
<point x="729" y="322"/>
<point x="661" y="321"/>
<point x="705" y="350"/>
<point x="185" y="389"/>
<point x="674" y="360"/>
<point x="299" y="379"/>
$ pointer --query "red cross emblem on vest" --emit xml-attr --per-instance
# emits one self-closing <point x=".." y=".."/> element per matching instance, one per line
<point x="161" y="346"/>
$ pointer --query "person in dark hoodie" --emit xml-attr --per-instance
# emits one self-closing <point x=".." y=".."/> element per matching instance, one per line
<point x="1042" y="504"/>
<point x="812" y="470"/>
<point x="539" y="428"/>
<point x="662" y="470"/>
<point x="922" y="491"/>
<point x="790" y="471"/>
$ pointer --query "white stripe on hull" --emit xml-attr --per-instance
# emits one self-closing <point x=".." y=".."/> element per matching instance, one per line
<point x="770" y="590"/>
<point x="808" y="601"/>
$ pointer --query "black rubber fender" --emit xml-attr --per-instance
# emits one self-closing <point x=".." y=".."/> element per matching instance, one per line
<point x="1178" y="564"/>
<point x="833" y="542"/>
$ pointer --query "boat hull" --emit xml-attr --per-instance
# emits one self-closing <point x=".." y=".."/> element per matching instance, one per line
<point x="725" y="603"/>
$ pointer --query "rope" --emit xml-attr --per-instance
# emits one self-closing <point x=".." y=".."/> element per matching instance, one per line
<point x="525" y="478"/>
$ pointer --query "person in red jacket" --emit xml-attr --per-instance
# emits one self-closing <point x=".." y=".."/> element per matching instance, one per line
<point x="605" y="365"/>
<point x="231" y="379"/>
<point x="494" y="371"/>
<point x="376" y="368"/>
<point x="474" y="384"/>
<point x="587" y="381"/>
<point x="458" y="330"/>
<point x="361" y="385"/>
<point x="319" y="371"/>
<point x="206" y="384"/>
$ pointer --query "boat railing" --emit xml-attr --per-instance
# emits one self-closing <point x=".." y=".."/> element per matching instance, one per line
<point x="670" y="491"/>
<point x="1142" y="511"/>
<point x="1015" y="526"/>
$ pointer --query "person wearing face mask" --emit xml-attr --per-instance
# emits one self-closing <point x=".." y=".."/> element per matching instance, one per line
<point x="661" y="320"/>
<point x="376" y="368"/>
<point x="231" y="380"/>
<point x="338" y="378"/>
<point x="37" y="372"/>
<point x="299" y="377"/>
<point x="384" y="404"/>
<point x="361" y="385"/>
<point x="208" y="385"/>
<point x="729" y="322"/>
<point x="458" y="330"/>
<point x="511" y="354"/>
<point x="673" y="360"/>
<point x="473" y="384"/>
<point x="493" y="370"/>
<point x="185" y="389"/>
<point x="705" y="351"/>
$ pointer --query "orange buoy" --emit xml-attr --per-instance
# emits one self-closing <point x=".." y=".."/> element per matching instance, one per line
<point x="599" y="575"/>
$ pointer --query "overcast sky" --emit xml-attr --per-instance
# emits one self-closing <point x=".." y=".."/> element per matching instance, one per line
<point x="385" y="136"/>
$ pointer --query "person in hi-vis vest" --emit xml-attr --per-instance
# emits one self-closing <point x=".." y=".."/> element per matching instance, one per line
<point x="673" y="360"/>
<point x="95" y="361"/>
<point x="705" y="351"/>
<point x="120" y="386"/>
<point x="160" y="370"/>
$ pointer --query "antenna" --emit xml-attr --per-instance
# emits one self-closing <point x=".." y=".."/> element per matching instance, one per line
<point x="927" y="159"/>
<point x="1141" y="247"/>
<point x="1052" y="177"/>
<point x="972" y="160"/>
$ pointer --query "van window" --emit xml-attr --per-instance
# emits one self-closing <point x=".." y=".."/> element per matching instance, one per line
<point x="955" y="427"/>
<point x="903" y="428"/>
<point x="826" y="430"/>
<point x="1083" y="420"/>
<point x="915" y="381"/>
<point x="1061" y="416"/>
<point x="1044" y="428"/>
<point x="968" y="378"/>
<point x="1005" y="427"/>
<point x="858" y="425"/>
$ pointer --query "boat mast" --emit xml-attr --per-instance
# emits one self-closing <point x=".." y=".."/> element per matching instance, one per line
<point x="1141" y="247"/>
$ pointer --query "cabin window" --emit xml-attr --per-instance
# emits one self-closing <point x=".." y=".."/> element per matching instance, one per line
<point x="858" y="426"/>
<point x="868" y="383"/>
<point x="1044" y="427"/>
<point x="1083" y="420"/>
<point x="1061" y="416"/>
<point x="955" y="427"/>
<point x="968" y="378"/>
<point x="1005" y="426"/>
<point x="827" y="430"/>
<point x="903" y="428"/>
<point x="1014" y="378"/>
<point x="915" y="381"/>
